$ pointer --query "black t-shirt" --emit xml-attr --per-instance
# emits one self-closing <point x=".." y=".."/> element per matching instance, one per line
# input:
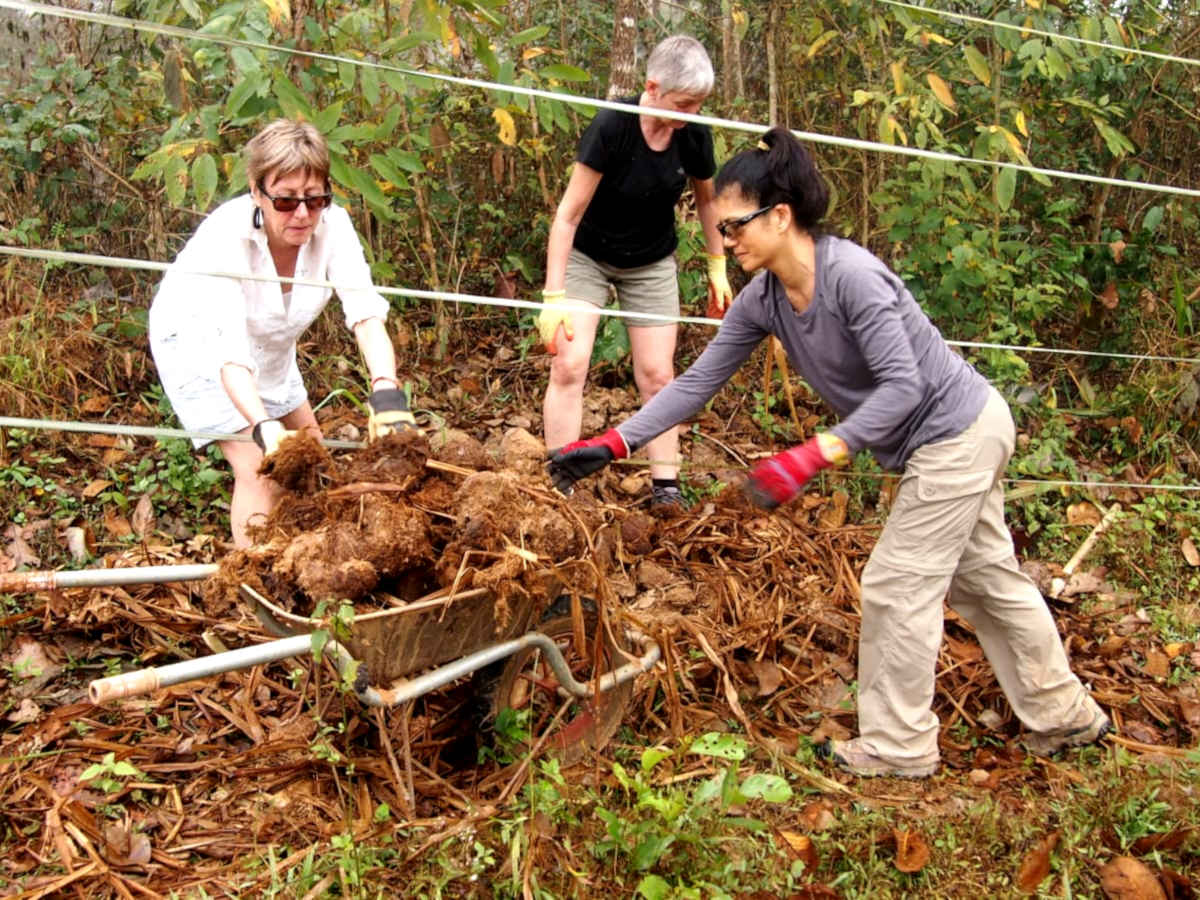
<point x="631" y="219"/>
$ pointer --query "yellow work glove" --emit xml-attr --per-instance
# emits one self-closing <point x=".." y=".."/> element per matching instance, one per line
<point x="268" y="434"/>
<point x="720" y="294"/>
<point x="554" y="314"/>
<point x="389" y="413"/>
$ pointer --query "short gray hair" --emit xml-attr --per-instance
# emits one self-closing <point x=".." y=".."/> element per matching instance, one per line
<point x="680" y="63"/>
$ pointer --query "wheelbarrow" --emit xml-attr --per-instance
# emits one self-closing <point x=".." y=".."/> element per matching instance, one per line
<point x="398" y="654"/>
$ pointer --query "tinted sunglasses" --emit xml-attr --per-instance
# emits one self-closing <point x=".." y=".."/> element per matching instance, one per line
<point x="315" y="203"/>
<point x="731" y="227"/>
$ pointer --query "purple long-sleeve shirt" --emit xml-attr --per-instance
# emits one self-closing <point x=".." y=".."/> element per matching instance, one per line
<point x="863" y="344"/>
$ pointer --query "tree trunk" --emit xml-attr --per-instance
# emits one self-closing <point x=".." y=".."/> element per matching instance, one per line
<point x="772" y="72"/>
<point x="623" y="80"/>
<point x="726" y="52"/>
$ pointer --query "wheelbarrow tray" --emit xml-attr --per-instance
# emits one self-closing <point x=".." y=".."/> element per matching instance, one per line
<point x="394" y="643"/>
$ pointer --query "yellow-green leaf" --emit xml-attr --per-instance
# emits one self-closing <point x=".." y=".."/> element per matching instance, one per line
<point x="978" y="64"/>
<point x="941" y="90"/>
<point x="507" y="127"/>
<point x="898" y="78"/>
<point x="932" y="37"/>
<point x="820" y="42"/>
<point x="204" y="179"/>
<point x="175" y="180"/>
<point x="1019" y="119"/>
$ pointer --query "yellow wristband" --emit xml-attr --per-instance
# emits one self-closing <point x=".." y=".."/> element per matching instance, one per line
<point x="833" y="448"/>
<point x="716" y="264"/>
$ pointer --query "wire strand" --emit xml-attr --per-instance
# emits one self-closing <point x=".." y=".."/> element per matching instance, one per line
<point x="1024" y="29"/>
<point x="118" y="262"/>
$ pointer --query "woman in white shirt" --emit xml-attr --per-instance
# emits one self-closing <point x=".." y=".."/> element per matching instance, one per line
<point x="225" y="347"/>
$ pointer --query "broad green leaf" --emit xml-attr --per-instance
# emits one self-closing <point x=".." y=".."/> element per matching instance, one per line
<point x="245" y="88"/>
<point x="1118" y="144"/>
<point x="320" y="637"/>
<point x="388" y="171"/>
<point x="1115" y="32"/>
<point x="564" y="72"/>
<point x="151" y="166"/>
<point x="346" y="73"/>
<point x="483" y="52"/>
<point x="204" y="179"/>
<point x="175" y="180"/>
<point x="647" y="853"/>
<point x="771" y="788"/>
<point x="416" y="39"/>
<point x="1056" y="64"/>
<point x="1032" y="49"/>
<point x="654" y="887"/>
<point x="291" y="99"/>
<point x="652" y="756"/>
<point x="978" y="65"/>
<point x="941" y="90"/>
<point x="359" y="132"/>
<point x="1006" y="188"/>
<point x="391" y="119"/>
<point x="190" y="7"/>
<point x="1153" y="218"/>
<point x="406" y="160"/>
<point x="536" y="33"/>
<point x="369" y="81"/>
<point x="720" y="745"/>
<point x="245" y="61"/>
<point x="326" y="119"/>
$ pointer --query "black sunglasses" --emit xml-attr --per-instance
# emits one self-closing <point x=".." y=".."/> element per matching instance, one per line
<point x="315" y="203"/>
<point x="731" y="227"/>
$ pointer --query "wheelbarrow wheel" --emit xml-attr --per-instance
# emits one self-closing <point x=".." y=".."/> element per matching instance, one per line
<point x="526" y="682"/>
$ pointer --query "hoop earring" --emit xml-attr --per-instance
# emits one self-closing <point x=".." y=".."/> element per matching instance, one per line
<point x="257" y="220"/>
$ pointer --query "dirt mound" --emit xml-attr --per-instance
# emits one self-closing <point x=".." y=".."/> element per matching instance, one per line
<point x="389" y="522"/>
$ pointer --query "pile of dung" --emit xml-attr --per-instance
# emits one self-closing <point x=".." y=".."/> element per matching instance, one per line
<point x="398" y="520"/>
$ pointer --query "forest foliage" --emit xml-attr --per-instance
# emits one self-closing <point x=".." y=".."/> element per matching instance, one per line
<point x="118" y="141"/>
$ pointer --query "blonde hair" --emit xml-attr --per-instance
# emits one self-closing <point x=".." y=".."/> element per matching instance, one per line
<point x="286" y="146"/>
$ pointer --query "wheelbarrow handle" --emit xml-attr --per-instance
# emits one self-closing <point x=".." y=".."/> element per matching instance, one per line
<point x="21" y="582"/>
<point x="143" y="681"/>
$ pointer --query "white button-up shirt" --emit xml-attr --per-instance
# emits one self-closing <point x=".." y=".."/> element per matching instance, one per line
<point x="213" y="320"/>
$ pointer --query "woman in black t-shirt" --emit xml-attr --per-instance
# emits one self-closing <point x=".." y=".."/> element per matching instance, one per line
<point x="615" y="229"/>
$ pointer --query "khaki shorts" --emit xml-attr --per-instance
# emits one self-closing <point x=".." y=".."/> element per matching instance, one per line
<point x="652" y="288"/>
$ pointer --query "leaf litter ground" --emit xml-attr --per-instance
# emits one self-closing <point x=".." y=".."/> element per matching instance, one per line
<point x="756" y="615"/>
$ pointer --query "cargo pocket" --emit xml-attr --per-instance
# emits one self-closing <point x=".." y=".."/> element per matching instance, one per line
<point x="929" y="529"/>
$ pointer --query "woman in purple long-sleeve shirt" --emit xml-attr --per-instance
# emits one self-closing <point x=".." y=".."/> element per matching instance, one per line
<point x="854" y="331"/>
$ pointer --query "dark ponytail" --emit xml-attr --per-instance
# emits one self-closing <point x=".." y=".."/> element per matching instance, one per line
<point x="779" y="170"/>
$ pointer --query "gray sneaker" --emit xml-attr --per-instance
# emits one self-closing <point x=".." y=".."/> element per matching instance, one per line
<point x="854" y="757"/>
<point x="1046" y="743"/>
<point x="669" y="495"/>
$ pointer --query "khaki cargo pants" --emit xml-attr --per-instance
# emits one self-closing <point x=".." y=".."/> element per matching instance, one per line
<point x="946" y="532"/>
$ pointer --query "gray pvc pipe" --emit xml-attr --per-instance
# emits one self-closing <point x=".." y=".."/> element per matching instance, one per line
<point x="22" y="582"/>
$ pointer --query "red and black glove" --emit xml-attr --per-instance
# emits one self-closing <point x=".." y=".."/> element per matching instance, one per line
<point x="574" y="461"/>
<point x="777" y="480"/>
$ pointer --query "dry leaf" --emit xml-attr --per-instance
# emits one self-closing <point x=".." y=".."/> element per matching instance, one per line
<point x="17" y="550"/>
<point x="1082" y="514"/>
<point x="1189" y="552"/>
<point x="80" y="544"/>
<point x="1083" y="583"/>
<point x="1118" y="250"/>
<point x="26" y="712"/>
<point x="95" y="487"/>
<point x="116" y="524"/>
<point x="97" y="404"/>
<point x="30" y="667"/>
<point x="941" y="90"/>
<point x="769" y="676"/>
<point x="801" y="847"/>
<point x="1156" y="665"/>
<point x="1126" y="878"/>
<point x="833" y="516"/>
<point x="912" y="853"/>
<point x="1133" y="428"/>
<point x="1036" y="865"/>
<point x="1109" y="296"/>
<point x="818" y="816"/>
<point x="113" y="455"/>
